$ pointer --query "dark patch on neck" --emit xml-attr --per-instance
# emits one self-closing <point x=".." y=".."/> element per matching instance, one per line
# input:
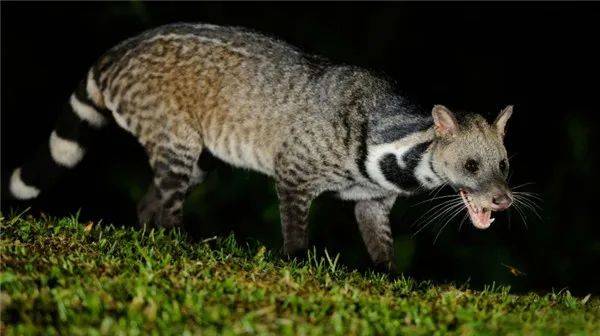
<point x="399" y="131"/>
<point x="396" y="117"/>
<point x="361" y="155"/>
<point x="404" y="178"/>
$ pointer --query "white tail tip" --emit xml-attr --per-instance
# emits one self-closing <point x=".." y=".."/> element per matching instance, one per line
<point x="19" y="189"/>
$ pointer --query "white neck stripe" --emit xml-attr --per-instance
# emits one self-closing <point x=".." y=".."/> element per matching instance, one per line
<point x="423" y="172"/>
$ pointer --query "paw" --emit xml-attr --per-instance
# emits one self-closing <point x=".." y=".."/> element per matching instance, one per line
<point x="295" y="248"/>
<point x="148" y="216"/>
<point x="149" y="208"/>
<point x="155" y="218"/>
<point x="388" y="267"/>
<point x="298" y="255"/>
<point x="169" y="221"/>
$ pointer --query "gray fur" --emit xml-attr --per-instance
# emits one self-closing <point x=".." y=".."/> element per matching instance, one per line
<point x="261" y="104"/>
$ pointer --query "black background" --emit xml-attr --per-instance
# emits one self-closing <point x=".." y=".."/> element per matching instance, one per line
<point x="543" y="58"/>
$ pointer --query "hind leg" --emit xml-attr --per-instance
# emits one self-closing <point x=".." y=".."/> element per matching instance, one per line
<point x="149" y="208"/>
<point x="174" y="163"/>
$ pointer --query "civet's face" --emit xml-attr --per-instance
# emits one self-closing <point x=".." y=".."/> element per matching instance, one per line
<point x="472" y="158"/>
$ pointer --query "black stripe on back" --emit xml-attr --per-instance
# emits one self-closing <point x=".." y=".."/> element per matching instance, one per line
<point x="361" y="152"/>
<point x="399" y="131"/>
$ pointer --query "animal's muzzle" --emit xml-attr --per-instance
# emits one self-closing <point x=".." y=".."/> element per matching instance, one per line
<point x="501" y="201"/>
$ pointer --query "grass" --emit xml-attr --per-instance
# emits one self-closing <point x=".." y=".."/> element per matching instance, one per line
<point x="59" y="276"/>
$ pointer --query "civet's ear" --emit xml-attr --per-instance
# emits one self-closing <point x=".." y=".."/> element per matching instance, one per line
<point x="502" y="119"/>
<point x="444" y="121"/>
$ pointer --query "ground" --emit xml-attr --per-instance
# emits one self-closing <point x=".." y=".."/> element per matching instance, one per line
<point x="60" y="276"/>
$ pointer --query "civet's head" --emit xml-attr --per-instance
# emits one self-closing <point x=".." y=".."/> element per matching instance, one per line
<point x="470" y="155"/>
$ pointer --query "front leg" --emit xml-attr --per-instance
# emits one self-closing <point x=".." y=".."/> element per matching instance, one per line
<point x="373" y="222"/>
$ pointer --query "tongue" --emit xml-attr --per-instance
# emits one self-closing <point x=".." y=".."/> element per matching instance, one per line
<point x="481" y="219"/>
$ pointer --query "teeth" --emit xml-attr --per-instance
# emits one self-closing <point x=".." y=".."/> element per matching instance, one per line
<point x="492" y="220"/>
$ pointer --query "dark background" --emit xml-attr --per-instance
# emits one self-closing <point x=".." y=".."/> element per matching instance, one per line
<point x="543" y="58"/>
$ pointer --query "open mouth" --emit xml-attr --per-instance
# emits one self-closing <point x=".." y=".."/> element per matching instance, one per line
<point x="480" y="217"/>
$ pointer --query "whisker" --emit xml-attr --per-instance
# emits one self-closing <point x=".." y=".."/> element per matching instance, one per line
<point x="438" y="207"/>
<point x="529" y="206"/>
<point x="436" y="198"/>
<point x="432" y="220"/>
<point x="446" y="223"/>
<point x="529" y="194"/>
<point x="517" y="208"/>
<point x="435" y="189"/>
<point x="463" y="220"/>
<point x="450" y="209"/>
<point x="439" y="189"/>
<point x="528" y="201"/>
<point x="522" y="185"/>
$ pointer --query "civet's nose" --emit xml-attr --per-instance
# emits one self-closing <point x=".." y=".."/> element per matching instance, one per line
<point x="501" y="201"/>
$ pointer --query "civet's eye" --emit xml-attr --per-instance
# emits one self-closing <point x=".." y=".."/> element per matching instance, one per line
<point x="472" y="166"/>
<point x="503" y="166"/>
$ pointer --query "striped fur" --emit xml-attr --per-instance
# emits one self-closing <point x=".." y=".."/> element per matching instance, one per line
<point x="65" y="147"/>
<point x="256" y="103"/>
